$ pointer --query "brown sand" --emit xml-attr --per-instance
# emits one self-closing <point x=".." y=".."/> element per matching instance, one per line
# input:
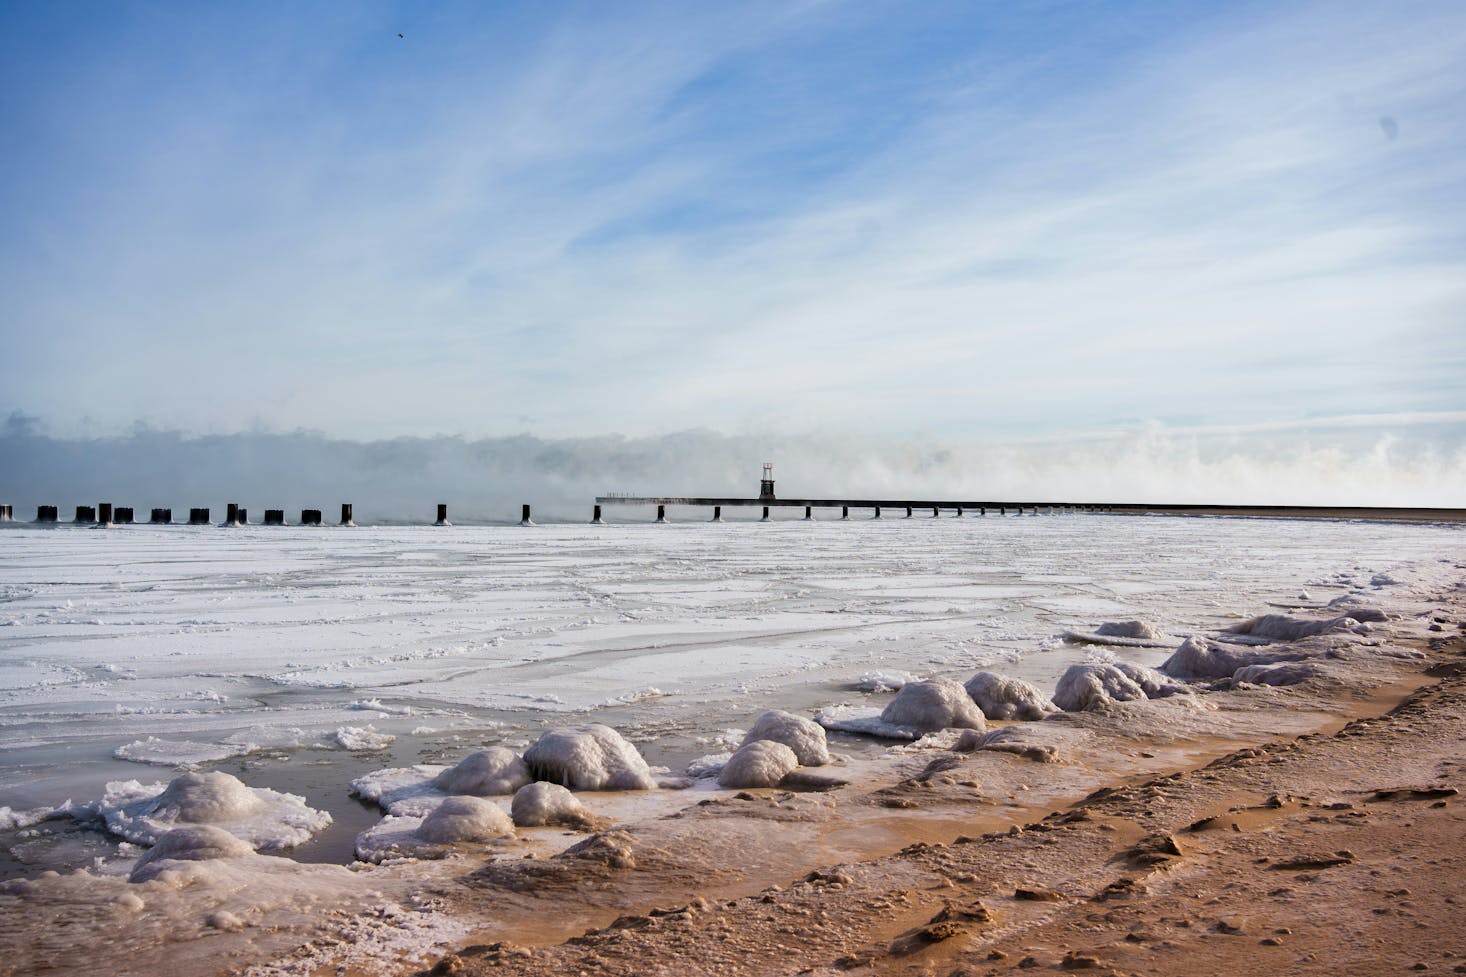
<point x="1332" y="852"/>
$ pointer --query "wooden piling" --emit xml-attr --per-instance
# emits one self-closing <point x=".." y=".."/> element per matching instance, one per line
<point x="878" y="513"/>
<point x="346" y="519"/>
<point x="717" y="513"/>
<point x="243" y="516"/>
<point x="809" y="513"/>
<point x="844" y="512"/>
<point x="524" y="519"/>
<point x="661" y="513"/>
<point x="231" y="514"/>
<point x="908" y="512"/>
<point x="766" y="514"/>
<point x="595" y="517"/>
<point x="443" y="514"/>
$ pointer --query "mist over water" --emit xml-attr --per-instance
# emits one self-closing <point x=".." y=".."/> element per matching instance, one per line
<point x="486" y="479"/>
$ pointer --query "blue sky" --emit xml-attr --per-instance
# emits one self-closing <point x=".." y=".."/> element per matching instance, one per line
<point x="1024" y="222"/>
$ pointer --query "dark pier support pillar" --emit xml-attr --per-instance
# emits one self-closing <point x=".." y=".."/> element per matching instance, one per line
<point x="274" y="517"/>
<point x="908" y="512"/>
<point x="661" y="513"/>
<point x="878" y="513"/>
<point x="844" y="512"/>
<point x="959" y="512"/>
<point x="1002" y="510"/>
<point x="231" y="514"/>
<point x="717" y="513"/>
<point x="85" y="514"/>
<point x="161" y="517"/>
<point x="198" y="517"/>
<point x="595" y="517"/>
<point x="346" y="514"/>
<point x="766" y="513"/>
<point x="809" y="513"/>
<point x="935" y="512"/>
<point x="7" y="513"/>
<point x="123" y="515"/>
<point x="46" y="513"/>
<point x="104" y="513"/>
<point x="310" y="517"/>
<point x="524" y="519"/>
<point x="243" y="516"/>
<point x="443" y="514"/>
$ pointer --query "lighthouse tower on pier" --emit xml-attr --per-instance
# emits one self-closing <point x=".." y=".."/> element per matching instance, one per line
<point x="766" y="486"/>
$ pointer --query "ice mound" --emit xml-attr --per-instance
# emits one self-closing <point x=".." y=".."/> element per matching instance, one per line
<point x="933" y="704"/>
<point x="1357" y="611"/>
<point x="804" y="736"/>
<point x="1198" y="658"/>
<point x="1093" y="685"/>
<point x="1154" y="684"/>
<point x="1008" y="698"/>
<point x="1278" y="673"/>
<point x="542" y="803"/>
<point x="1281" y="627"/>
<point x="261" y="817"/>
<point x="761" y="763"/>
<point x="1025" y="741"/>
<point x="1129" y="634"/>
<point x="194" y="843"/>
<point x="465" y="818"/>
<point x="495" y="770"/>
<point x="592" y="757"/>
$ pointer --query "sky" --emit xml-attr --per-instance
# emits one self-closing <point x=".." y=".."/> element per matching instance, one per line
<point x="1151" y="234"/>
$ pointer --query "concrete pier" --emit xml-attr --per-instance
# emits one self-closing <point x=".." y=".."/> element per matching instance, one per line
<point x="766" y="514"/>
<point x="104" y="513"/>
<point x="231" y="515"/>
<point x="243" y="516"/>
<point x="809" y="513"/>
<point x="661" y="513"/>
<point x="161" y="517"/>
<point x="274" y="517"/>
<point x="524" y="519"/>
<point x="198" y="517"/>
<point x="877" y="513"/>
<point x="46" y="513"/>
<point x="310" y="517"/>
<point x="122" y="515"/>
<point x="844" y="512"/>
<point x="717" y="513"/>
<point x="86" y="515"/>
<point x="442" y="519"/>
<point x="595" y="517"/>
<point x="346" y="519"/>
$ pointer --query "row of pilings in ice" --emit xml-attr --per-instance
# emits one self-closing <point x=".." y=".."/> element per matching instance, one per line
<point x="106" y="514"/>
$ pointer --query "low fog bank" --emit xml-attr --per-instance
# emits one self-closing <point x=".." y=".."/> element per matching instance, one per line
<point x="487" y="479"/>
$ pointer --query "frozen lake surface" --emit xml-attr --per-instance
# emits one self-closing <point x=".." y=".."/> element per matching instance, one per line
<point x="301" y="657"/>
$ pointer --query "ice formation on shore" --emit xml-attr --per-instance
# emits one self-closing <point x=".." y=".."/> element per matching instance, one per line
<point x="495" y="770"/>
<point x="1000" y="697"/>
<point x="542" y="803"/>
<point x="1128" y="634"/>
<point x="263" y="818"/>
<point x="1093" y="685"/>
<point x="193" y="843"/>
<point x="1198" y="658"/>
<point x="592" y="757"/>
<point x="1278" y="673"/>
<point x="1154" y="684"/>
<point x="804" y="736"/>
<point x="760" y="763"/>
<point x="1281" y="627"/>
<point x="465" y="818"/>
<point x="933" y="705"/>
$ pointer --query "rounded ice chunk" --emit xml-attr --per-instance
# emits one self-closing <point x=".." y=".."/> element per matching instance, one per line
<point x="1278" y="673"/>
<point x="1130" y="629"/>
<point x="465" y="818"/>
<point x="263" y="818"/>
<point x="1198" y="658"/>
<point x="1000" y="697"/>
<point x="804" y="736"/>
<point x="762" y="763"/>
<point x="542" y="803"/>
<point x="194" y="843"/>
<point x="592" y="757"/>
<point x="1088" y="686"/>
<point x="932" y="705"/>
<point x="1151" y="682"/>
<point x="495" y="770"/>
